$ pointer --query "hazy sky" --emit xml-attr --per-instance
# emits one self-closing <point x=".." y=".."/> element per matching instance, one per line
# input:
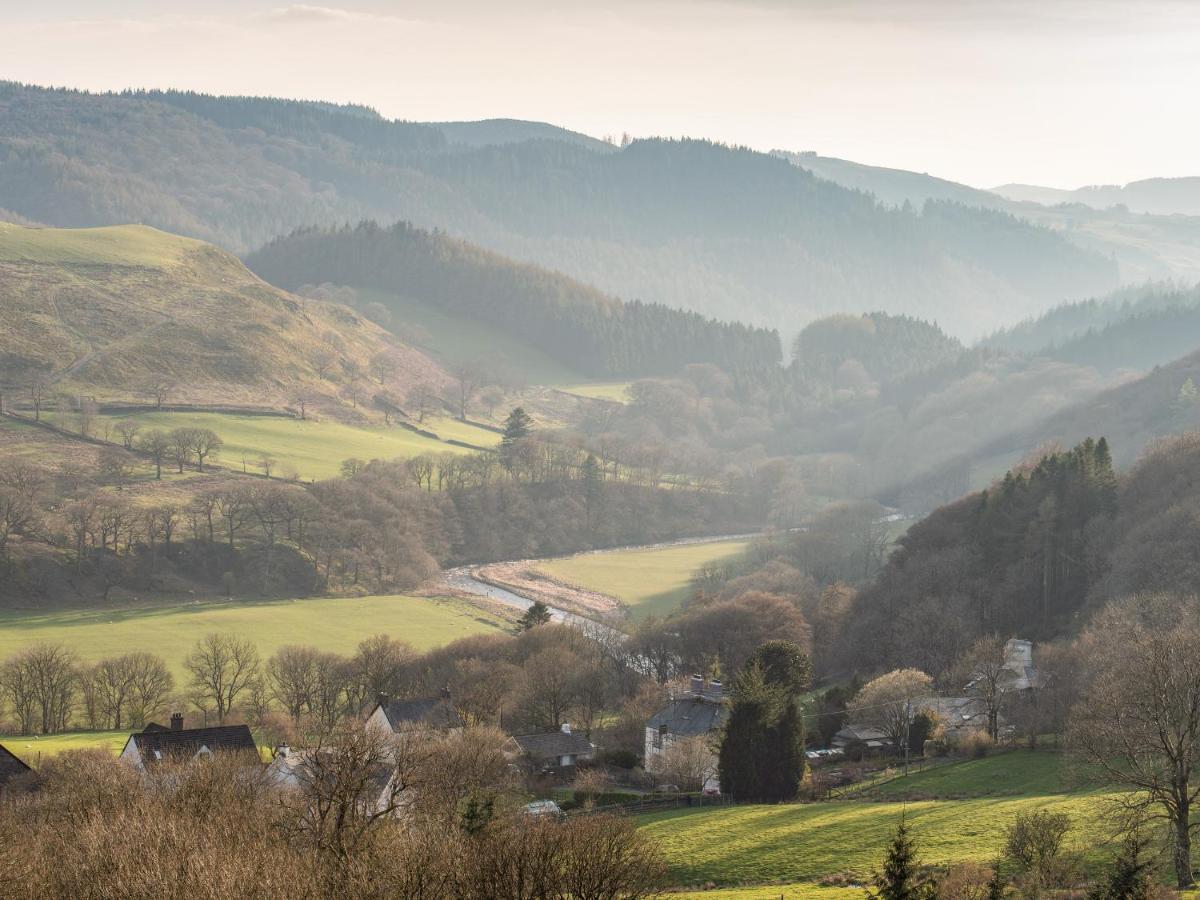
<point x="1055" y="92"/>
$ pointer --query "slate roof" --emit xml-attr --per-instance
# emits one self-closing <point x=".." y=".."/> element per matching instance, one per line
<point x="553" y="744"/>
<point x="689" y="716"/>
<point x="427" y="712"/>
<point x="10" y="766"/>
<point x="187" y="742"/>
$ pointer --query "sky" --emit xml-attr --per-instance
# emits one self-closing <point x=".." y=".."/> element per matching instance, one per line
<point x="1059" y="92"/>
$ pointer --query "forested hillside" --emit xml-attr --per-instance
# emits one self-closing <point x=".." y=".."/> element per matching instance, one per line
<point x="575" y="324"/>
<point x="1033" y="555"/>
<point x="727" y="232"/>
<point x="1135" y="328"/>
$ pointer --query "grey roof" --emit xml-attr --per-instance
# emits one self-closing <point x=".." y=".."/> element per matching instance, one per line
<point x="186" y="742"/>
<point x="857" y="732"/>
<point x="10" y="766"/>
<point x="553" y="743"/>
<point x="689" y="716"/>
<point x="429" y="712"/>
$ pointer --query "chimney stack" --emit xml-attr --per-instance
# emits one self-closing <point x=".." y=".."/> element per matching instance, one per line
<point x="566" y="727"/>
<point x="177" y="721"/>
<point x="697" y="685"/>
<point x="716" y="690"/>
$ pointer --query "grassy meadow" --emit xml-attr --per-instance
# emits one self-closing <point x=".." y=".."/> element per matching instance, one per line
<point x="332" y="624"/>
<point x="313" y="448"/>
<point x="117" y="245"/>
<point x="649" y="582"/>
<point x="614" y="391"/>
<point x="801" y="844"/>
<point x="32" y="749"/>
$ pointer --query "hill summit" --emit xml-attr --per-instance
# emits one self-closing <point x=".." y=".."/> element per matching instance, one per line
<point x="110" y="311"/>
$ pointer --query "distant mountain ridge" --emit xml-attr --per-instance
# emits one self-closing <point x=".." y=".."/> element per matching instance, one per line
<point x="729" y="233"/>
<point x="1156" y="196"/>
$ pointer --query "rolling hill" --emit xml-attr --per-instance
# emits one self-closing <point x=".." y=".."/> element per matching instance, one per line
<point x="111" y="311"/>
<point x="723" y="231"/>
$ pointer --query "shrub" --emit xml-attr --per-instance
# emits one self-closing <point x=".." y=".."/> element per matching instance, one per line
<point x="976" y="744"/>
<point x="1034" y="843"/>
<point x="967" y="881"/>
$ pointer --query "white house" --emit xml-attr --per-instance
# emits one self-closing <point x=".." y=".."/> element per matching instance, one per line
<point x="700" y="710"/>
<point x="157" y="744"/>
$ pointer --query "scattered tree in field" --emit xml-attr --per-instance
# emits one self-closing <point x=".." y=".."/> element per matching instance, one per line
<point x="203" y="443"/>
<point x="901" y="878"/>
<point x="467" y="380"/>
<point x="491" y="397"/>
<point x="423" y="400"/>
<point x="39" y="388"/>
<point x="1138" y="718"/>
<point x="222" y="669"/>
<point x="156" y="444"/>
<point x="537" y="614"/>
<point x="383" y="366"/>
<point x="116" y="466"/>
<point x="128" y="430"/>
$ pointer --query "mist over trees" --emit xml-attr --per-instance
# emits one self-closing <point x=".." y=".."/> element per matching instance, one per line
<point x="579" y="326"/>
<point x="726" y="232"/>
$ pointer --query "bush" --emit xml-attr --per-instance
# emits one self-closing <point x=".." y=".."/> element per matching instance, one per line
<point x="976" y="744"/>
<point x="1034" y="843"/>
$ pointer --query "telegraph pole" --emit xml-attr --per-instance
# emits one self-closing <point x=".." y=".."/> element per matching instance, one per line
<point x="907" y="732"/>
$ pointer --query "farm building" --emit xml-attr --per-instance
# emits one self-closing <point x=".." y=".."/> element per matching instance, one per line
<point x="157" y="743"/>
<point x="11" y="768"/>
<point x="424" y="714"/>
<point x="555" y="749"/>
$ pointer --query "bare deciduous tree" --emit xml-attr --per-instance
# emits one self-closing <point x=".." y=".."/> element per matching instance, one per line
<point x="1138" y="719"/>
<point x="222" y="668"/>
<point x="888" y="702"/>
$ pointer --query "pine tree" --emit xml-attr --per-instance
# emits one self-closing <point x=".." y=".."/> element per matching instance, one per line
<point x="901" y="878"/>
<point x="1129" y="878"/>
<point x="516" y="426"/>
<point x="739" y="762"/>
<point x="537" y="614"/>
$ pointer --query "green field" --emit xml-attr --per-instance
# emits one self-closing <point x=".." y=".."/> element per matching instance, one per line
<point x="33" y="749"/>
<point x="649" y="582"/>
<point x="128" y="245"/>
<point x="456" y="339"/>
<point x="797" y="843"/>
<point x="314" y="448"/>
<point x="616" y="391"/>
<point x="171" y="631"/>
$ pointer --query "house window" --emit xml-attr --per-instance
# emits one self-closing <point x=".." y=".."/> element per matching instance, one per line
<point x="660" y="737"/>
